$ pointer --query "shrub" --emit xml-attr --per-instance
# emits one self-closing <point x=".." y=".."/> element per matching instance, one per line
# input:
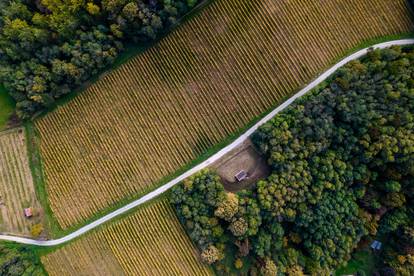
<point x="36" y="230"/>
<point x="238" y="263"/>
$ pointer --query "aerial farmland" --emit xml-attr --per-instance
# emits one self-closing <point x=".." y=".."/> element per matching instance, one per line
<point x="217" y="137"/>
<point x="129" y="131"/>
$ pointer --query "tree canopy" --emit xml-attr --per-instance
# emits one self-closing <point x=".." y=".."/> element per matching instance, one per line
<point x="342" y="161"/>
<point x="48" y="48"/>
<point x="17" y="261"/>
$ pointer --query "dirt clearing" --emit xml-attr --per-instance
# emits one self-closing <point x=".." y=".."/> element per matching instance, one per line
<point x="244" y="158"/>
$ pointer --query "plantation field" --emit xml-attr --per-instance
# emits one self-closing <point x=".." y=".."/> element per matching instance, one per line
<point x="16" y="185"/>
<point x="148" y="242"/>
<point x="202" y="83"/>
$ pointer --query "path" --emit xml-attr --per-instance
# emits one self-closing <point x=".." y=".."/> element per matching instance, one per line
<point x="210" y="160"/>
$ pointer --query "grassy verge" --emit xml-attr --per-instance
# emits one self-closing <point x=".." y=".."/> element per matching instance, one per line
<point x="7" y="106"/>
<point x="54" y="227"/>
<point x="35" y="163"/>
<point x="370" y="42"/>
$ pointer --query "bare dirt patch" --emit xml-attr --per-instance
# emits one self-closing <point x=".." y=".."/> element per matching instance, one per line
<point x="245" y="158"/>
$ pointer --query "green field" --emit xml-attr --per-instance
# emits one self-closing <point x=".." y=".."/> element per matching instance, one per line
<point x="17" y="189"/>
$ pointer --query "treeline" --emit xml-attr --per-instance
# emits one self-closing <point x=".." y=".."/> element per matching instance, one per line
<point x="50" y="47"/>
<point x="19" y="261"/>
<point x="342" y="162"/>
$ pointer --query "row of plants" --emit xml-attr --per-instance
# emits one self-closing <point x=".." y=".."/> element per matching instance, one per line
<point x="342" y="162"/>
<point x="149" y="241"/>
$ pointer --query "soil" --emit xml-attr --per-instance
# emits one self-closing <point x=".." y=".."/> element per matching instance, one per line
<point x="246" y="158"/>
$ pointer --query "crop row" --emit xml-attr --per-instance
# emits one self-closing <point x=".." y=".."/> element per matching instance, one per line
<point x="148" y="242"/>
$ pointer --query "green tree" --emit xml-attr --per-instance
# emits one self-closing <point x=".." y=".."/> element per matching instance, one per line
<point x="73" y="41"/>
<point x="227" y="208"/>
<point x="238" y="227"/>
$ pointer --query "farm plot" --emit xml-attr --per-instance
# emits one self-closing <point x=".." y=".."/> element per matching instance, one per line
<point x="17" y="191"/>
<point x="148" y="242"/>
<point x="202" y="83"/>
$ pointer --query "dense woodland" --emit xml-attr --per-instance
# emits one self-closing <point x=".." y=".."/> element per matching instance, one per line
<point x="50" y="47"/>
<point x="19" y="261"/>
<point x="342" y="162"/>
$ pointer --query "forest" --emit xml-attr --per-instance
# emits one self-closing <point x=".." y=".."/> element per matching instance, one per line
<point x="342" y="161"/>
<point x="48" y="48"/>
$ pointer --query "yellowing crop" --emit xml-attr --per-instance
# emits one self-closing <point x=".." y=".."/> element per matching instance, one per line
<point x="148" y="242"/>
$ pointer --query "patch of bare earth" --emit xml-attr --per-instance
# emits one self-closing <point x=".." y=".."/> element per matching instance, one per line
<point x="244" y="158"/>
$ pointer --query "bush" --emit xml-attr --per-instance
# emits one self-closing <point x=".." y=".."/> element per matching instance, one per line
<point x="238" y="263"/>
<point x="36" y="230"/>
<point x="17" y="261"/>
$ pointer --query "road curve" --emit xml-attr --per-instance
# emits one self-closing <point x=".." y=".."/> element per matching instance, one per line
<point x="207" y="162"/>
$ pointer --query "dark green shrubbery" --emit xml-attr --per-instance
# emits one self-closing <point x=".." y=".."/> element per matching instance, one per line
<point x="342" y="163"/>
<point x="50" y="47"/>
<point x="18" y="261"/>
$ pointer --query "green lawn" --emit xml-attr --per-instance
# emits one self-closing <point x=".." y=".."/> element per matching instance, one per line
<point x="363" y="260"/>
<point x="7" y="106"/>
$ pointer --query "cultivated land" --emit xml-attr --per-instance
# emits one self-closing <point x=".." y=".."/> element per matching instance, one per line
<point x="16" y="185"/>
<point x="149" y="242"/>
<point x="202" y="83"/>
